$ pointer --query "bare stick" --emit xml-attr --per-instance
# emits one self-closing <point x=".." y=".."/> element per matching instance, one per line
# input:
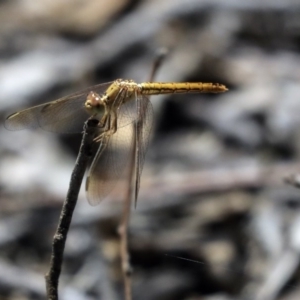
<point x="123" y="231"/>
<point x="60" y="236"/>
<point x="123" y="228"/>
<point x="160" y="56"/>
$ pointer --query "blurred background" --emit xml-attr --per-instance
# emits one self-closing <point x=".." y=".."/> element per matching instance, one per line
<point x="212" y="189"/>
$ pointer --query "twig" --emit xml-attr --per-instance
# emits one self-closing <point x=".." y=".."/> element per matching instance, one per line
<point x="133" y="172"/>
<point x="60" y="236"/>
<point x="160" y="56"/>
<point x="123" y="231"/>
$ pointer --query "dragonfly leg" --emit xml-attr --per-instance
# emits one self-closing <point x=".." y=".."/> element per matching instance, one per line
<point x="114" y="121"/>
<point x="110" y="126"/>
<point x="104" y="130"/>
<point x="103" y="121"/>
<point x="109" y="121"/>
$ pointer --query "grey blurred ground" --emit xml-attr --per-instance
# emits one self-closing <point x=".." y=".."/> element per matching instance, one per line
<point x="212" y="188"/>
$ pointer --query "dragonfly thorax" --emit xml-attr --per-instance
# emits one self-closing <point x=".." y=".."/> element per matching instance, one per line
<point x="122" y="89"/>
<point x="119" y="92"/>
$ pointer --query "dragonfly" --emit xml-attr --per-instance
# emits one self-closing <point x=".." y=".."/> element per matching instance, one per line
<point x="116" y="106"/>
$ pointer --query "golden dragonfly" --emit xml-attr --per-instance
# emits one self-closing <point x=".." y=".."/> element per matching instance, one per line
<point x="115" y="105"/>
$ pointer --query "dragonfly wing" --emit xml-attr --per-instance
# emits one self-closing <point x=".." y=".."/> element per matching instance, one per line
<point x="65" y="115"/>
<point x="27" y="118"/>
<point x="112" y="161"/>
<point x="143" y="127"/>
<point x="110" y="164"/>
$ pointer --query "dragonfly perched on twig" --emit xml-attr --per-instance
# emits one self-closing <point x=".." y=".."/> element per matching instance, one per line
<point x="117" y="106"/>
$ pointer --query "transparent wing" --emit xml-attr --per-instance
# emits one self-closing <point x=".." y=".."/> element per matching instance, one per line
<point x="65" y="115"/>
<point x="143" y="127"/>
<point x="127" y="110"/>
<point x="112" y="161"/>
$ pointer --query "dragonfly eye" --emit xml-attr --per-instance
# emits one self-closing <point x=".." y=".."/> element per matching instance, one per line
<point x="92" y="100"/>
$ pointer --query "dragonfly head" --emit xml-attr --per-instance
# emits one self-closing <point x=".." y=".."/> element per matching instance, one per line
<point x="94" y="103"/>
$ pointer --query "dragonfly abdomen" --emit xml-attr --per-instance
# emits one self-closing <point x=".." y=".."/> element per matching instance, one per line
<point x="156" y="88"/>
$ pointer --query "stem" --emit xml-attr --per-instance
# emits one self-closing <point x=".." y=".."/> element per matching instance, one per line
<point x="60" y="236"/>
